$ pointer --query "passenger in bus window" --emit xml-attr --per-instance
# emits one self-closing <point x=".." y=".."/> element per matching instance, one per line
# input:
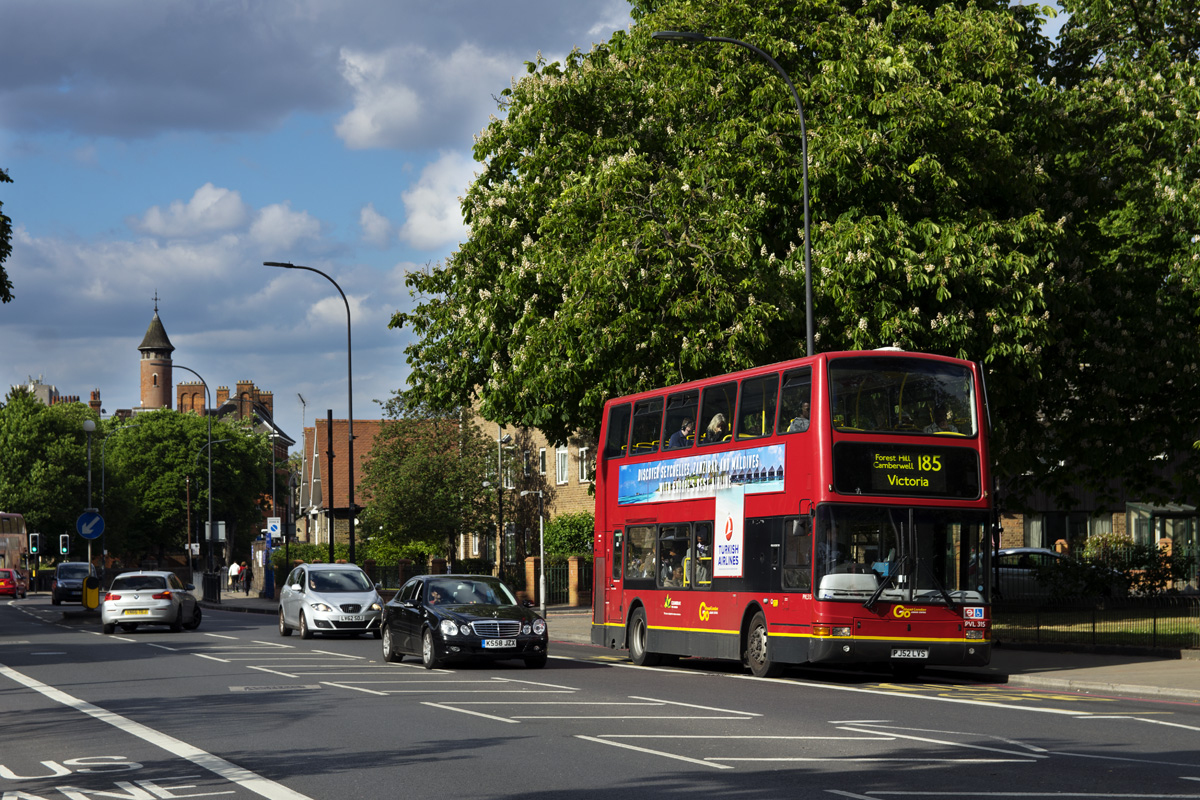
<point x="675" y="581"/>
<point x="683" y="436"/>
<point x="717" y="429"/>
<point x="943" y="422"/>
<point x="800" y="423"/>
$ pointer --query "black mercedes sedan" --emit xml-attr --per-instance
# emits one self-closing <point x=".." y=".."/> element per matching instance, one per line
<point x="443" y="618"/>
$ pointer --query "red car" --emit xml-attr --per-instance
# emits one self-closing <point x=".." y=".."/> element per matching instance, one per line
<point x="13" y="582"/>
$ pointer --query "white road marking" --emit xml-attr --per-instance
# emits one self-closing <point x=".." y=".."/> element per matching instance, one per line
<point x="205" y="760"/>
<point x="648" y="751"/>
<point x="354" y="688"/>
<point x="467" y="711"/>
<point x="702" y="708"/>
<point x="221" y="636"/>
<point x="1143" y="719"/>
<point x="946" y="743"/>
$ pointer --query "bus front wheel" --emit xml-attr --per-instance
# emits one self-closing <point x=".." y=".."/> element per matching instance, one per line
<point x="637" y="637"/>
<point x="761" y="665"/>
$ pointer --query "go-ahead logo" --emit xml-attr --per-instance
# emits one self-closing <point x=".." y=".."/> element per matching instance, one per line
<point x="900" y="612"/>
<point x="706" y="611"/>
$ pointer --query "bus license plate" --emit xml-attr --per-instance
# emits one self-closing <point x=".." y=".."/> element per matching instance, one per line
<point x="909" y="653"/>
<point x="495" y="644"/>
<point x="353" y="618"/>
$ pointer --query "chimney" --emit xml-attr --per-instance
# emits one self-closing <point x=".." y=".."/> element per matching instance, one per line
<point x="94" y="403"/>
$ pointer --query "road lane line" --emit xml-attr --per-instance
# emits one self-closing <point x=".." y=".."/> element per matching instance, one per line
<point x="648" y="751"/>
<point x="355" y="688"/>
<point x="692" y="705"/>
<point x="945" y="743"/>
<point x="201" y="758"/>
<point x="472" y="713"/>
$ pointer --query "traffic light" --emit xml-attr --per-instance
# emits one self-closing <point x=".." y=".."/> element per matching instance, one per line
<point x="64" y="543"/>
<point x="35" y="544"/>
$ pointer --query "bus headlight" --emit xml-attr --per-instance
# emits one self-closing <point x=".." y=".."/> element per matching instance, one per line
<point x="841" y="631"/>
<point x="974" y="634"/>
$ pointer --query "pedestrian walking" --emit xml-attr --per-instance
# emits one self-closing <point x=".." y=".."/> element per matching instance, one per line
<point x="245" y="573"/>
<point x="234" y="569"/>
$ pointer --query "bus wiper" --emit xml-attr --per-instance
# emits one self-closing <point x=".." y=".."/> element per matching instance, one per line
<point x="945" y="595"/>
<point x="883" y="584"/>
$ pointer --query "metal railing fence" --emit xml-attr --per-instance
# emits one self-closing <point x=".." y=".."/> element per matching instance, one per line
<point x="1163" y="621"/>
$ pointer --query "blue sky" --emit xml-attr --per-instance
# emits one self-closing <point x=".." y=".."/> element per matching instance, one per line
<point x="172" y="147"/>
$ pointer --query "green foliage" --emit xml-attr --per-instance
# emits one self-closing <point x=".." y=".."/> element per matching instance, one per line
<point x="637" y="221"/>
<point x="422" y="484"/>
<point x="308" y="554"/>
<point x="44" y="470"/>
<point x="570" y="534"/>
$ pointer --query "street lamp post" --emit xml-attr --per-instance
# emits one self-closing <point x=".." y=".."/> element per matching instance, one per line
<point x="349" y="394"/>
<point x="501" y="440"/>
<point x="541" y="549"/>
<point x="89" y="427"/>
<point x="212" y="588"/>
<point x="692" y="36"/>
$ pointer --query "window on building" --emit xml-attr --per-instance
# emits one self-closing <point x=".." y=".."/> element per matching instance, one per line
<point x="508" y="477"/>
<point x="542" y="461"/>
<point x="584" y="465"/>
<point x="474" y="544"/>
<point x="561" y="464"/>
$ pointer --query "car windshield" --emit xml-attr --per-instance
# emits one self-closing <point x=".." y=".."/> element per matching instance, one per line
<point x="338" y="580"/>
<point x="131" y="583"/>
<point x="71" y="571"/>
<point x="471" y="591"/>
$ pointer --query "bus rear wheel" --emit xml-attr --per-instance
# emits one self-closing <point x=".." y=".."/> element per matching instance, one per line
<point x="637" y="636"/>
<point x="760" y="664"/>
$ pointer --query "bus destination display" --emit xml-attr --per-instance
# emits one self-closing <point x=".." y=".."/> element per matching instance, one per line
<point x="864" y="468"/>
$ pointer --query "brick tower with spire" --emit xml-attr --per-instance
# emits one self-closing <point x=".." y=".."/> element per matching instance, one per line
<point x="156" y="349"/>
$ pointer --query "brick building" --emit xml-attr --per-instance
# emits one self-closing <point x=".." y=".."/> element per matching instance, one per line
<point x="317" y="512"/>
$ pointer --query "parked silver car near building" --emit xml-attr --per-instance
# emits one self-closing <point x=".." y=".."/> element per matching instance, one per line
<point x="149" y="598"/>
<point x="329" y="598"/>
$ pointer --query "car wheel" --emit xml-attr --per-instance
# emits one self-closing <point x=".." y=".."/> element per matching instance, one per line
<point x="429" y="654"/>
<point x="761" y="665"/>
<point x="389" y="652"/>
<point x="305" y="632"/>
<point x="637" y="636"/>
<point x="536" y="662"/>
<point x="194" y="622"/>
<point x="110" y="627"/>
<point x="177" y="625"/>
<point x="284" y="630"/>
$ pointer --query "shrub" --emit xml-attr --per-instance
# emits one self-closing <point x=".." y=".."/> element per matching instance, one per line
<point x="570" y="535"/>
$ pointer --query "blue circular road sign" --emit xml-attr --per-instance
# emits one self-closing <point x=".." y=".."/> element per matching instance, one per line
<point x="90" y="525"/>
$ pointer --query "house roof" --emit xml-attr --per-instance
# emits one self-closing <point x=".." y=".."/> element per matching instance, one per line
<point x="156" y="337"/>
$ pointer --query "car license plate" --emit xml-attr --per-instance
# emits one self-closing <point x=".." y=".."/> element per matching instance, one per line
<point x="498" y="644"/>
<point x="353" y="618"/>
<point x="130" y="611"/>
<point x="909" y="653"/>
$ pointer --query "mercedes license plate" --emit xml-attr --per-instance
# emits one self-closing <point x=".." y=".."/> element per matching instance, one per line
<point x="898" y="652"/>
<point x="353" y="618"/>
<point x="494" y="644"/>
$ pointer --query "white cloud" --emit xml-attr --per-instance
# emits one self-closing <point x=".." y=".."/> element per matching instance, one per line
<point x="376" y="228"/>
<point x="434" y="216"/>
<point x="210" y="210"/>
<point x="278" y="227"/>
<point x="409" y="97"/>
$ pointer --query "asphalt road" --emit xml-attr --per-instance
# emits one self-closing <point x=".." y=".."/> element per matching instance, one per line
<point x="234" y="710"/>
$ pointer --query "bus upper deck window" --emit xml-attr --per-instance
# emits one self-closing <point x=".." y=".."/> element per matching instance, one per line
<point x="617" y="434"/>
<point x="795" y="409"/>
<point x="647" y="425"/>
<point x="681" y="419"/>
<point x="756" y="408"/>
<point x="716" y="411"/>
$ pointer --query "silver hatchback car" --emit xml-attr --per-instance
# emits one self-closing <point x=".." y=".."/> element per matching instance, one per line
<point x="329" y="598"/>
<point x="149" y="598"/>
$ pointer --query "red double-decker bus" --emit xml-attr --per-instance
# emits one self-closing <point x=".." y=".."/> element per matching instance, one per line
<point x="835" y="508"/>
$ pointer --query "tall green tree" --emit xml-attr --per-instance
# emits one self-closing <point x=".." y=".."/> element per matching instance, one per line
<point x="160" y="460"/>
<point x="44" y="467"/>
<point x="422" y="483"/>
<point x="638" y="221"/>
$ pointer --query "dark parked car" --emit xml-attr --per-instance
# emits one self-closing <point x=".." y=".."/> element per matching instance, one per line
<point x="444" y="618"/>
<point x="68" y="581"/>
<point x="13" y="582"/>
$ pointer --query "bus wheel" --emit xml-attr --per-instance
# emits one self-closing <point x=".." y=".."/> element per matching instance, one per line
<point x="637" y="641"/>
<point x="757" y="659"/>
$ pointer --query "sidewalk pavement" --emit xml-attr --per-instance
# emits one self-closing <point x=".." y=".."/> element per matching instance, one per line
<point x="1134" y="674"/>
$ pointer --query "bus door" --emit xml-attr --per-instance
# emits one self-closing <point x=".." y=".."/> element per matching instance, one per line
<point x="610" y="608"/>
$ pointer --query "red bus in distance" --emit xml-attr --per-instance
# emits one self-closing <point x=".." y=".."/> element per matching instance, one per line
<point x="830" y="509"/>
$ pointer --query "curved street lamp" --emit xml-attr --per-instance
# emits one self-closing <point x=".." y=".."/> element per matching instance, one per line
<point x="349" y="398"/>
<point x="211" y="584"/>
<point x="692" y="36"/>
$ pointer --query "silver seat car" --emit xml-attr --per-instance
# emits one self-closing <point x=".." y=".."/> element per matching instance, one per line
<point x="329" y="598"/>
<point x="149" y="598"/>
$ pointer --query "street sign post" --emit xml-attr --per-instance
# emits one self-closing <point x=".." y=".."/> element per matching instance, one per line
<point x="89" y="525"/>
